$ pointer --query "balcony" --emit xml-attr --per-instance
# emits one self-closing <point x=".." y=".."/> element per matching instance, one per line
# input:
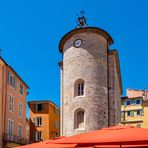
<point x="14" y="138"/>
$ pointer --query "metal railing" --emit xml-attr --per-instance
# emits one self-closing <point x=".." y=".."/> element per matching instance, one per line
<point x="14" y="138"/>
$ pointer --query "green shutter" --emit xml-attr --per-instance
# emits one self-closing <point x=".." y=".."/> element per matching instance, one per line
<point x="132" y="101"/>
<point x="132" y="113"/>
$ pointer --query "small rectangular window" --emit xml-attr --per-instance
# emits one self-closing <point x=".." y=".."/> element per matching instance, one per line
<point x="39" y="107"/>
<point x="20" y="130"/>
<point x="130" y="113"/>
<point x="140" y="112"/>
<point x="10" y="127"/>
<point x="138" y="125"/>
<point x="128" y="102"/>
<point x="20" y="109"/>
<point x="138" y="101"/>
<point x="11" y="80"/>
<point x="56" y="111"/>
<point x="37" y="136"/>
<point x="21" y="89"/>
<point x="56" y="124"/>
<point x="11" y="103"/>
<point x="37" y="121"/>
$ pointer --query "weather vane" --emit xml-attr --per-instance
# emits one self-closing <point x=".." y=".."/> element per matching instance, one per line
<point x="81" y="22"/>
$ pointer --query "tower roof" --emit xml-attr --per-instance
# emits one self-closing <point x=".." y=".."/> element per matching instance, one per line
<point x="83" y="30"/>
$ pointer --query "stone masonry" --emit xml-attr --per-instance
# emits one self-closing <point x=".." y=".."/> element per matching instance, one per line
<point x="98" y="67"/>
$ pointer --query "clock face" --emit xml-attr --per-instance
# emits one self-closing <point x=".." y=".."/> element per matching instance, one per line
<point x="77" y="43"/>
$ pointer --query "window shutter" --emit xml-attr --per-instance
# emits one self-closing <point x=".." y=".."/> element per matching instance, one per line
<point x="14" y="82"/>
<point x="35" y="107"/>
<point x="34" y="136"/>
<point x="132" y="113"/>
<point x="8" y="77"/>
<point x="132" y="101"/>
<point x="35" y="121"/>
<point x="43" y="107"/>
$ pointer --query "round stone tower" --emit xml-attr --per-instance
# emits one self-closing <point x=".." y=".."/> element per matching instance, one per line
<point x="84" y="80"/>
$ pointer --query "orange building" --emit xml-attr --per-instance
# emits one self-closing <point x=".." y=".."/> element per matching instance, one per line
<point x="44" y="120"/>
<point x="13" y="92"/>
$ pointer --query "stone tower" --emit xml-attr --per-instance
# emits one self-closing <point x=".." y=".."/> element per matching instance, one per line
<point x="90" y="81"/>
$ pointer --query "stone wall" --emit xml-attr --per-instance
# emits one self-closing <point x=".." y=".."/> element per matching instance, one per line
<point x="114" y="91"/>
<point x="89" y="63"/>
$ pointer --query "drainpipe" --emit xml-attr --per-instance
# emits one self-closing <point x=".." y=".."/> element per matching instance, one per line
<point x="108" y="85"/>
<point x="5" y="105"/>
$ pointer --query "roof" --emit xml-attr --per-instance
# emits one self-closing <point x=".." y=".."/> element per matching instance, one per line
<point x="115" y="52"/>
<point x="125" y="98"/>
<point x="82" y="30"/>
<point x="13" y="71"/>
<point x="137" y="89"/>
<point x="42" y="101"/>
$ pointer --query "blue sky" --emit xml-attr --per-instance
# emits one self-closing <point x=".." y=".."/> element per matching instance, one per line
<point x="30" y="31"/>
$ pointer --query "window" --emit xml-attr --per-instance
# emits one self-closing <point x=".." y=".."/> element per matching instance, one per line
<point x="11" y="80"/>
<point x="79" y="88"/>
<point x="79" y="119"/>
<point x="20" y="130"/>
<point x="37" y="121"/>
<point x="138" y="125"/>
<point x="128" y="102"/>
<point x="56" y="124"/>
<point x="37" y="136"/>
<point x="139" y="112"/>
<point x="11" y="103"/>
<point x="56" y="111"/>
<point x="21" y="89"/>
<point x="138" y="101"/>
<point x="10" y="127"/>
<point x="130" y="113"/>
<point x="39" y="107"/>
<point x="20" y="108"/>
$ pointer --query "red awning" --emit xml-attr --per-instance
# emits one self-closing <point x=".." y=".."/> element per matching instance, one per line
<point x="112" y="137"/>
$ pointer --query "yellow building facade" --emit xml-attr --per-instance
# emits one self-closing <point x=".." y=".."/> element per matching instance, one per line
<point x="44" y="120"/>
<point x="134" y="108"/>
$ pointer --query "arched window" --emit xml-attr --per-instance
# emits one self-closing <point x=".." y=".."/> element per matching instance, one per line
<point x="79" y="119"/>
<point x="79" y="88"/>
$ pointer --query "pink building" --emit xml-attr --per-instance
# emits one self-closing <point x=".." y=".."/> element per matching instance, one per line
<point x="13" y="92"/>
